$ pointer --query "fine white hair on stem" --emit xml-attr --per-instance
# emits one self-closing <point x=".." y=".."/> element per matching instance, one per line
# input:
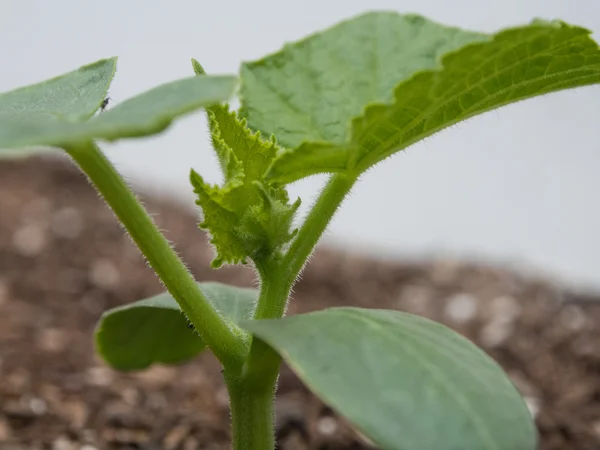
<point x="122" y="226"/>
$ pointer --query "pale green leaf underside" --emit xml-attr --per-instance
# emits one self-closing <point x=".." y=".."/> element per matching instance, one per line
<point x="75" y="95"/>
<point x="373" y="85"/>
<point x="155" y="331"/>
<point x="146" y="114"/>
<point x="406" y="382"/>
<point x="16" y="153"/>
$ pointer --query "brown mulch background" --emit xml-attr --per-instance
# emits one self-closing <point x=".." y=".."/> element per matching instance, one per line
<point x="64" y="259"/>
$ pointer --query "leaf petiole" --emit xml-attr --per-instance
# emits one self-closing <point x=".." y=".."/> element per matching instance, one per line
<point x="330" y="199"/>
<point x="226" y="339"/>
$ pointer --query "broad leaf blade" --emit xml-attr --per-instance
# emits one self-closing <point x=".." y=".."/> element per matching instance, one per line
<point x="146" y="114"/>
<point x="153" y="111"/>
<point x="72" y="96"/>
<point x="406" y="382"/>
<point x="517" y="64"/>
<point x="16" y="153"/>
<point x="312" y="89"/>
<point x="155" y="331"/>
<point x="375" y="84"/>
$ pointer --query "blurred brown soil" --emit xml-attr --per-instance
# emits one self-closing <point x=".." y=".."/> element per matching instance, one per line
<point x="64" y="259"/>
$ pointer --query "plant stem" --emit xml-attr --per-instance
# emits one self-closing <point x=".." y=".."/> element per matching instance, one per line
<point x="312" y="229"/>
<point x="224" y="338"/>
<point x="251" y="403"/>
<point x="252" y="394"/>
<point x="275" y="286"/>
<point x="278" y="274"/>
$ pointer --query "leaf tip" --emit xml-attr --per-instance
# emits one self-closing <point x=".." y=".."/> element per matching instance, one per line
<point x="198" y="69"/>
<point x="296" y="204"/>
<point x="195" y="178"/>
<point x="217" y="263"/>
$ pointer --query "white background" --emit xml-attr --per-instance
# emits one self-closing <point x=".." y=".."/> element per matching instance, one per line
<point x="517" y="186"/>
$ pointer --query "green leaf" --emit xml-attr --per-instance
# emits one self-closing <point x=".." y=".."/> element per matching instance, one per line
<point x="153" y="111"/>
<point x="146" y="114"/>
<point x="15" y="153"/>
<point x="73" y="96"/>
<point x="346" y="98"/>
<point x="245" y="216"/>
<point x="404" y="381"/>
<point x="155" y="331"/>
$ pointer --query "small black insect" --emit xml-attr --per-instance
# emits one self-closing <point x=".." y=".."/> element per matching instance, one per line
<point x="191" y="326"/>
<point x="104" y="104"/>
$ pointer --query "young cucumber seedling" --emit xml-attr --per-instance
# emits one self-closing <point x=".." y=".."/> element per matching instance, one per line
<point x="337" y="102"/>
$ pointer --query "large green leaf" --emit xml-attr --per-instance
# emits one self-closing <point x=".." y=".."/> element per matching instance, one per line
<point x="406" y="382"/>
<point x="348" y="97"/>
<point x="73" y="96"/>
<point x="57" y="113"/>
<point x="246" y="216"/>
<point x="154" y="330"/>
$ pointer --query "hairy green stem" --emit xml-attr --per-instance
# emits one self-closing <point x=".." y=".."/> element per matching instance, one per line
<point x="274" y="287"/>
<point x="279" y="273"/>
<point x="316" y="222"/>
<point x="252" y="394"/>
<point x="223" y="337"/>
<point x="251" y="402"/>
